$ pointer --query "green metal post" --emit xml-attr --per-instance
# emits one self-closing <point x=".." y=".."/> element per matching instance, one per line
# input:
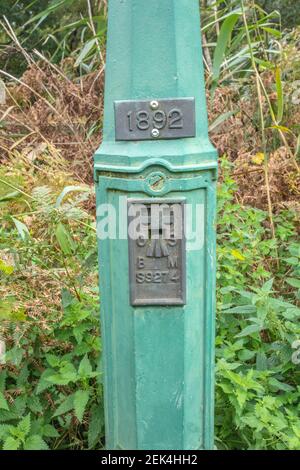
<point x="158" y="356"/>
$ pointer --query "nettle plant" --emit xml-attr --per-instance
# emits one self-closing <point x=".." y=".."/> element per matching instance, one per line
<point x="258" y="386"/>
<point x="50" y="386"/>
<point x="50" y="375"/>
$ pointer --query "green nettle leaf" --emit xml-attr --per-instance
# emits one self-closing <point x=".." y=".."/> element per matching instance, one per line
<point x="267" y="287"/>
<point x="20" y="404"/>
<point x="43" y="383"/>
<point x="35" y="405"/>
<point x="4" y="431"/>
<point x="242" y="310"/>
<point x="249" y="330"/>
<point x="280" y="385"/>
<point x="261" y="361"/>
<point x="3" y="402"/>
<point x="24" y="425"/>
<point x="23" y="376"/>
<point x="96" y="425"/>
<point x="49" y="431"/>
<point x="241" y="395"/>
<point x="53" y="361"/>
<point x="85" y="367"/>
<point x="11" y="444"/>
<point x="3" y="376"/>
<point x="35" y="442"/>
<point x="81" y="398"/>
<point x="293" y="282"/>
<point x="66" y="374"/>
<point x="65" y="406"/>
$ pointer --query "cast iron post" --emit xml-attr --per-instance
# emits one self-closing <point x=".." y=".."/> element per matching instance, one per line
<point x="157" y="295"/>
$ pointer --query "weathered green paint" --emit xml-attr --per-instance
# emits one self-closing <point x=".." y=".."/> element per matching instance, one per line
<point x="158" y="361"/>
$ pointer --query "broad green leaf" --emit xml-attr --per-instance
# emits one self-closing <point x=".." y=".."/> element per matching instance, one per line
<point x="246" y="355"/>
<point x="261" y="361"/>
<point x="293" y="282"/>
<point x="49" y="431"/>
<point x="53" y="360"/>
<point x="241" y="395"/>
<point x="10" y="196"/>
<point x="65" y="406"/>
<point x="3" y="376"/>
<point x="20" y="404"/>
<point x="96" y="425"/>
<point x="4" y="431"/>
<point x="11" y="444"/>
<point x="24" y="425"/>
<point x="21" y="228"/>
<point x="85" y="367"/>
<point x="85" y="51"/>
<point x="272" y="31"/>
<point x="249" y="330"/>
<point x="64" y="239"/>
<point x="252" y="421"/>
<point x="280" y="385"/>
<point x="81" y="398"/>
<point x="34" y="404"/>
<point x="3" y="402"/>
<point x="66" y="374"/>
<point x="70" y="189"/>
<point x="267" y="287"/>
<point x="35" y="442"/>
<point x="223" y="40"/>
<point x="241" y="310"/>
<point x="43" y="383"/>
<point x="238" y="255"/>
<point x="23" y="376"/>
<point x="220" y="120"/>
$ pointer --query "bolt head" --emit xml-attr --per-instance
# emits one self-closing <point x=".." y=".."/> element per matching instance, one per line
<point x="154" y="104"/>
<point x="155" y="133"/>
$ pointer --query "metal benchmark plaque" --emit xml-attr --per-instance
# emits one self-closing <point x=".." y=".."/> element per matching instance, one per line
<point x="155" y="119"/>
<point x="156" y="252"/>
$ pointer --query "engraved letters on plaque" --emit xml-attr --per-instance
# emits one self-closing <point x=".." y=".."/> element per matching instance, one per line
<point x="156" y="252"/>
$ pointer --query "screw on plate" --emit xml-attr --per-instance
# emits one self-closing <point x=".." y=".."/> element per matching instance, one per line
<point x="155" y="133"/>
<point x="154" y="104"/>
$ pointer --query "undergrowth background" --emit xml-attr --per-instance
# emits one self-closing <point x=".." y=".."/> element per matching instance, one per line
<point x="52" y="57"/>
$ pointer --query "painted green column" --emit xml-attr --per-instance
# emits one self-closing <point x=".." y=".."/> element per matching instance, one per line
<point x="158" y="355"/>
